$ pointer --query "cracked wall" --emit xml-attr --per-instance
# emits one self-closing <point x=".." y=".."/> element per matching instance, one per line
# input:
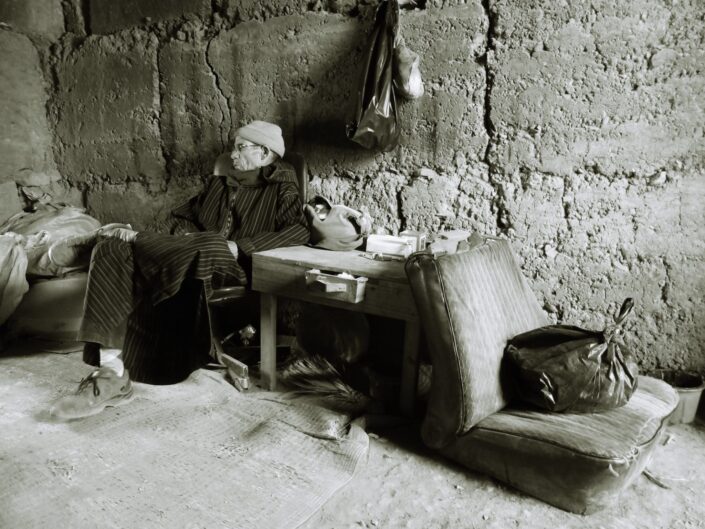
<point x="573" y="129"/>
<point x="598" y="148"/>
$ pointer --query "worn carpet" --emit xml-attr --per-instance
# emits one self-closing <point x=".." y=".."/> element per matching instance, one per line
<point x="194" y="455"/>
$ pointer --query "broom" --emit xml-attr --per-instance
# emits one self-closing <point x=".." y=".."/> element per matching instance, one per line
<point x="313" y="375"/>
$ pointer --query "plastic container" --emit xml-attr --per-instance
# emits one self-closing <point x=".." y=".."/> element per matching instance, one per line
<point x="689" y="387"/>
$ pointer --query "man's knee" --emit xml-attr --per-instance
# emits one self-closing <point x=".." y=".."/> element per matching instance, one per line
<point x="206" y="238"/>
<point x="208" y="242"/>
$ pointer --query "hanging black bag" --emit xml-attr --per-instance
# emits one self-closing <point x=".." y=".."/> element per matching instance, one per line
<point x="569" y="369"/>
<point x="375" y="125"/>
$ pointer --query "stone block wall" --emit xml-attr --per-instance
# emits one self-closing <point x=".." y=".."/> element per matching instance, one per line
<point x="598" y="152"/>
<point x="42" y="19"/>
<point x="26" y="154"/>
<point x="107" y="16"/>
<point x="573" y="129"/>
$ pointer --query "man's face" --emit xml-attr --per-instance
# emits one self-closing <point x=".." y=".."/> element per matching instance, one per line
<point x="247" y="155"/>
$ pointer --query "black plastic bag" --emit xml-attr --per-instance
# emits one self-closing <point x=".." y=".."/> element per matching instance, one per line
<point x="566" y="368"/>
<point x="375" y="125"/>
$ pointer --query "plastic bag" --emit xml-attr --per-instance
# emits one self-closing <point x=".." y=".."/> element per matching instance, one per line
<point x="407" y="75"/>
<point x="41" y="228"/>
<point x="13" y="266"/>
<point x="375" y="125"/>
<point x="566" y="368"/>
<point x="336" y="227"/>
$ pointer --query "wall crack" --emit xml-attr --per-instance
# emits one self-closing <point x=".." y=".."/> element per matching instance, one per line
<point x="400" y="208"/>
<point x="223" y="103"/>
<point x="498" y="204"/>
<point x="484" y="60"/>
<point x="666" y="287"/>
<point x="158" y="116"/>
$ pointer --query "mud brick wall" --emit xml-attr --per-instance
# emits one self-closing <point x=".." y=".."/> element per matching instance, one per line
<point x="574" y="129"/>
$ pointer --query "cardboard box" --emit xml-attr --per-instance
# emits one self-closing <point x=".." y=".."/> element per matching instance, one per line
<point x="334" y="285"/>
<point x="390" y="245"/>
<point x="418" y="238"/>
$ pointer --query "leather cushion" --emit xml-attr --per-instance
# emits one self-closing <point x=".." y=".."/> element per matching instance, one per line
<point x="470" y="303"/>
<point x="578" y="462"/>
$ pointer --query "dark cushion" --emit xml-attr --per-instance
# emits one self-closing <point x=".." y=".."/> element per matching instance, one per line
<point x="470" y="303"/>
<point x="578" y="462"/>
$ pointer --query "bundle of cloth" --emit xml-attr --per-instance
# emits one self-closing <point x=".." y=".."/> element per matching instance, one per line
<point x="50" y="241"/>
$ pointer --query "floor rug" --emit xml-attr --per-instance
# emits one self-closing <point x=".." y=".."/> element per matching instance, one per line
<point x="193" y="455"/>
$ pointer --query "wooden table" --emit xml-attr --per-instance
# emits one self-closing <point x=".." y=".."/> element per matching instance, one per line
<point x="281" y="272"/>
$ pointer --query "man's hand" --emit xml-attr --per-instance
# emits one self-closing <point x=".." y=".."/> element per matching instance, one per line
<point x="124" y="232"/>
<point x="232" y="246"/>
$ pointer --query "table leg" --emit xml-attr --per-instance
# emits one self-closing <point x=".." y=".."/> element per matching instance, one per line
<point x="268" y="341"/>
<point x="410" y="368"/>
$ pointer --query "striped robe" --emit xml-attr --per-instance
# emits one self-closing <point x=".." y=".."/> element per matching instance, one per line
<point x="158" y="283"/>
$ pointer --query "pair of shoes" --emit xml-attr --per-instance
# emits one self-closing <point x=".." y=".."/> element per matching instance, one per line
<point x="99" y="390"/>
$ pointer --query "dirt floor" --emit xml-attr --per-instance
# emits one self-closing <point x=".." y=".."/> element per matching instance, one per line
<point x="404" y="485"/>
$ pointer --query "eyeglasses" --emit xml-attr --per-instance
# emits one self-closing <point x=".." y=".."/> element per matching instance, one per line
<point x="242" y="146"/>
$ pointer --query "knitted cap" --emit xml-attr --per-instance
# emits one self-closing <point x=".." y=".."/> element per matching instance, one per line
<point x="263" y="133"/>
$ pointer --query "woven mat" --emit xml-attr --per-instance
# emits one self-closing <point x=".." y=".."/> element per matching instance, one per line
<point x="193" y="455"/>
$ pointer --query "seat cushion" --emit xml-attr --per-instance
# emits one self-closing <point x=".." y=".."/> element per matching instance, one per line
<point x="578" y="462"/>
<point x="470" y="303"/>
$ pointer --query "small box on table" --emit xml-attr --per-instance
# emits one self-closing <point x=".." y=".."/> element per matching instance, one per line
<point x="339" y="286"/>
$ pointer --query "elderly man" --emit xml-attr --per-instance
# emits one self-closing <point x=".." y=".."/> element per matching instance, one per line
<point x="157" y="283"/>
